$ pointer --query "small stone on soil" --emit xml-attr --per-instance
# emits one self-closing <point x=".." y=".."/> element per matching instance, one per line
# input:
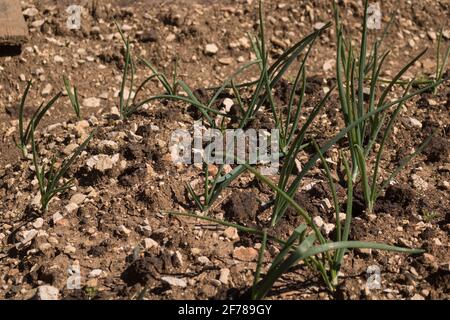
<point x="203" y="260"/>
<point x="38" y="223"/>
<point x="149" y="243"/>
<point x="71" y="207"/>
<point x="226" y="61"/>
<point x="224" y="275"/>
<point x="69" y="249"/>
<point x="91" y="102"/>
<point x="211" y="49"/>
<point x="174" y="282"/>
<point x="231" y="233"/>
<point x="413" y="122"/>
<point x="47" y="90"/>
<point x="57" y="217"/>
<point x="47" y="292"/>
<point x="95" y="273"/>
<point x="245" y="254"/>
<point x="29" y="235"/>
<point x="78" y="198"/>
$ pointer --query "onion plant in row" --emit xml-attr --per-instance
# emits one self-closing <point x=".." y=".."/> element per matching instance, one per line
<point x="26" y="132"/>
<point x="351" y="74"/>
<point x="363" y="123"/>
<point x="287" y="123"/>
<point x="307" y="243"/>
<point x="50" y="176"/>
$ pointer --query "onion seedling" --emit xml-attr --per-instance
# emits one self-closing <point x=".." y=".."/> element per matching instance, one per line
<point x="49" y="177"/>
<point x="350" y="81"/>
<point x="73" y="97"/>
<point x="25" y="133"/>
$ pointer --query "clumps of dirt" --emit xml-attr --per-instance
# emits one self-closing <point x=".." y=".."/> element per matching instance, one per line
<point x="261" y="120"/>
<point x="312" y="201"/>
<point x="146" y="271"/>
<point x="162" y="200"/>
<point x="440" y="280"/>
<point x="396" y="200"/>
<point x="133" y="175"/>
<point x="242" y="208"/>
<point x="437" y="150"/>
<point x="100" y="249"/>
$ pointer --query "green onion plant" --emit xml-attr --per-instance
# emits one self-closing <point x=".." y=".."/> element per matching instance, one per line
<point x="25" y="131"/>
<point x="73" y="97"/>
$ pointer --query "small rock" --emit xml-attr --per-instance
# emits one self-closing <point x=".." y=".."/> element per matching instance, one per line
<point x="78" y="198"/>
<point x="30" y="12"/>
<point x="57" y="217"/>
<point x="38" y="223"/>
<point x="445" y="185"/>
<point x="226" y="61"/>
<point x="58" y="59"/>
<point x="47" y="292"/>
<point x="37" y="23"/>
<point x="245" y="254"/>
<point x="203" y="260"/>
<point x="278" y="42"/>
<point x="405" y="243"/>
<point x="170" y="37"/>
<point x="318" y="25"/>
<point x="47" y="90"/>
<point x="124" y="230"/>
<point x="224" y="275"/>
<point x="53" y="241"/>
<point x="174" y="282"/>
<point x="364" y="251"/>
<point x="244" y="42"/>
<point x="80" y="127"/>
<point x="95" y="273"/>
<point x="419" y="183"/>
<point x="417" y="297"/>
<point x="318" y="221"/>
<point x="328" y="227"/>
<point x="328" y="65"/>
<point x="432" y="35"/>
<point x="91" y="102"/>
<point x="149" y="243"/>
<point x="44" y="247"/>
<point x="69" y="249"/>
<point x="29" y="235"/>
<point x="211" y="49"/>
<point x="71" y="207"/>
<point x="177" y="259"/>
<point x="108" y="145"/>
<point x="145" y="230"/>
<point x="413" y="122"/>
<point x="70" y="148"/>
<point x="102" y="162"/>
<point x="228" y="103"/>
<point x="231" y="233"/>
<point x="126" y="27"/>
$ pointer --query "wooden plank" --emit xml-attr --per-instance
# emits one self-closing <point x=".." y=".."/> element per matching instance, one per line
<point x="13" y="29"/>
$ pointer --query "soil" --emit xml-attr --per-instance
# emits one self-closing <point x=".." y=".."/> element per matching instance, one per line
<point x="111" y="223"/>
